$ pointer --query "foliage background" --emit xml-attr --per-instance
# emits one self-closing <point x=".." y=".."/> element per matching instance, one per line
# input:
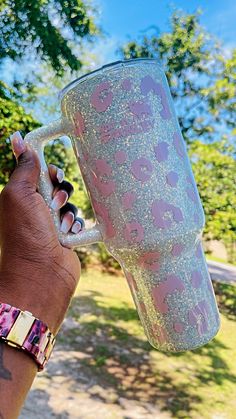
<point x="58" y="34"/>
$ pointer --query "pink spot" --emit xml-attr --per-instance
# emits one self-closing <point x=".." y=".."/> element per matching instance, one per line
<point x="161" y="291"/>
<point x="198" y="316"/>
<point x="172" y="179"/>
<point x="196" y="218"/>
<point x="131" y="281"/>
<point x="101" y="97"/>
<point x="177" y="249"/>
<point x="161" y="151"/>
<point x="103" y="167"/>
<point x="126" y="84"/>
<point x="148" y="84"/>
<point x="101" y="176"/>
<point x="79" y="124"/>
<point x="160" y="210"/>
<point x="198" y="252"/>
<point x="192" y="194"/>
<point x="140" y="108"/>
<point x="141" y="169"/>
<point x="103" y="214"/>
<point x="178" y="143"/>
<point x="178" y="327"/>
<point x="134" y="232"/>
<point x="196" y="278"/>
<point x="150" y="261"/>
<point x="128" y="200"/>
<point x="120" y="157"/>
<point x="106" y="132"/>
<point x="159" y="334"/>
<point x="189" y="180"/>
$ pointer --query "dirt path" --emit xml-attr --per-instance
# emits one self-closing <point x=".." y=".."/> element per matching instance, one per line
<point x="67" y="390"/>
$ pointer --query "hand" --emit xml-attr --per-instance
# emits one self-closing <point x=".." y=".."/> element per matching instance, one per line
<point x="37" y="273"/>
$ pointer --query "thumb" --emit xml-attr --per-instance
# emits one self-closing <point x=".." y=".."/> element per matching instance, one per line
<point x="28" y="166"/>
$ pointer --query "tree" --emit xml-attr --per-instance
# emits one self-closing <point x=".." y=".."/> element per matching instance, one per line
<point x="45" y="29"/>
<point x="215" y="174"/>
<point x="47" y="32"/>
<point x="194" y="66"/>
<point x="202" y="83"/>
<point x="14" y="118"/>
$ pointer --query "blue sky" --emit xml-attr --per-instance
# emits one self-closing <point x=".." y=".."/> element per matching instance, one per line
<point x="127" y="19"/>
<point x="124" y="19"/>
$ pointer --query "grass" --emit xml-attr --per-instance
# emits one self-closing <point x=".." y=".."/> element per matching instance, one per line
<point x="197" y="384"/>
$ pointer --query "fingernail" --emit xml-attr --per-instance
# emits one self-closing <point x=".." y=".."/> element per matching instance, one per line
<point x="67" y="222"/>
<point x="17" y="143"/>
<point x="60" y="175"/>
<point x="59" y="200"/>
<point x="77" y="226"/>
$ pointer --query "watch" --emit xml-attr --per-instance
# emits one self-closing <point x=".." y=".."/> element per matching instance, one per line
<point x="22" y="330"/>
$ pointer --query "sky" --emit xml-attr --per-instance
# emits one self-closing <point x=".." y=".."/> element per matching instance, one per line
<point x="127" y="19"/>
<point x="122" y="20"/>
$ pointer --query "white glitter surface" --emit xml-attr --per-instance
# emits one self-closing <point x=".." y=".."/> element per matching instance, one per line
<point x="134" y="164"/>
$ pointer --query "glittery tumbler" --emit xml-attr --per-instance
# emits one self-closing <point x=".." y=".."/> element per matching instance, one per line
<point x="135" y="167"/>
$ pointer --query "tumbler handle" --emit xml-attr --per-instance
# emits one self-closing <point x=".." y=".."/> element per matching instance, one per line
<point x="37" y="140"/>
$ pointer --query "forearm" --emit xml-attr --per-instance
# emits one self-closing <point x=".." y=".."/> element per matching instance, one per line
<point x="18" y="369"/>
<point x="17" y="372"/>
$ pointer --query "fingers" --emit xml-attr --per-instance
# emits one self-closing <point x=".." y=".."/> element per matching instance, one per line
<point x="68" y="213"/>
<point x="28" y="166"/>
<point x="62" y="189"/>
<point x="56" y="174"/>
<point x="78" y="225"/>
<point x="61" y="193"/>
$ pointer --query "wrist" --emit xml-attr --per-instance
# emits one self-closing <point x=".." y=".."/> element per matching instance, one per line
<point x="43" y="302"/>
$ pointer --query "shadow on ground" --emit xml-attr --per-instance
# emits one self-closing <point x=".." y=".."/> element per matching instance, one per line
<point x="43" y="408"/>
<point x="118" y="366"/>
